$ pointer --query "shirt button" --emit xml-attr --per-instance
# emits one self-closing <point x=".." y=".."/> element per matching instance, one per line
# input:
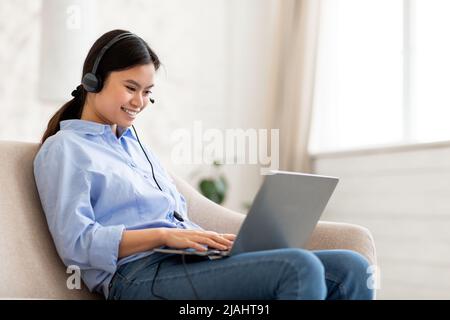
<point x="145" y="176"/>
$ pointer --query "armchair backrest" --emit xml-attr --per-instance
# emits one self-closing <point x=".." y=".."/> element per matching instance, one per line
<point x="29" y="264"/>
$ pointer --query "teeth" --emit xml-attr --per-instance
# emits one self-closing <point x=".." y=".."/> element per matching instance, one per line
<point x="133" y="113"/>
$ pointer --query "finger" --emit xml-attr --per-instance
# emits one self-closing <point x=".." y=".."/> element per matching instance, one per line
<point x="196" y="246"/>
<point x="211" y="232"/>
<point x="229" y="236"/>
<point x="218" y="238"/>
<point x="211" y="243"/>
<point x="217" y="244"/>
<point x="224" y="241"/>
<point x="229" y="239"/>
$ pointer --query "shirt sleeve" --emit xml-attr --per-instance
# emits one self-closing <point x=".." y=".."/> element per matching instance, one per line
<point x="64" y="190"/>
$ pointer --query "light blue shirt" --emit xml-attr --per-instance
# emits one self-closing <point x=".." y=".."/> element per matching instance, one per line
<point x="93" y="186"/>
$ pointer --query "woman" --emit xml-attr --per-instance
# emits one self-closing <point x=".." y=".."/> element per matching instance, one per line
<point x="108" y="204"/>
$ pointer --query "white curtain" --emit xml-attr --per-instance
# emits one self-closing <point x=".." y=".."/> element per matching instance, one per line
<point x="293" y="80"/>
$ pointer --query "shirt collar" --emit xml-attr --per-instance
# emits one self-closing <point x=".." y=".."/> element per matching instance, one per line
<point x="93" y="128"/>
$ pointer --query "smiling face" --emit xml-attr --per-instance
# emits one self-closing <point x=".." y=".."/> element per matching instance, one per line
<point x="123" y="96"/>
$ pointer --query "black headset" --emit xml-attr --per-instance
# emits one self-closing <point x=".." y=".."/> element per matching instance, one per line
<point x="91" y="81"/>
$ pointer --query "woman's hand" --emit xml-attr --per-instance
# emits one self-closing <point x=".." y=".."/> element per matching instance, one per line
<point x="197" y="239"/>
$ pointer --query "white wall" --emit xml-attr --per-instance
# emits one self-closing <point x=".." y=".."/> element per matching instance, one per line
<point x="215" y="55"/>
<point x="402" y="196"/>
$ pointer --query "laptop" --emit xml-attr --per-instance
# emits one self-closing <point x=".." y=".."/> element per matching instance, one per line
<point x="283" y="214"/>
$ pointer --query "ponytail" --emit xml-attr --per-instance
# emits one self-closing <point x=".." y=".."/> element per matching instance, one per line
<point x="70" y="110"/>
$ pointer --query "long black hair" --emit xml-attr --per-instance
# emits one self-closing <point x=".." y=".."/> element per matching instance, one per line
<point x="125" y="54"/>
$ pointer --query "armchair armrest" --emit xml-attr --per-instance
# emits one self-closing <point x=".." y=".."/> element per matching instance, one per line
<point x="206" y="213"/>
<point x="337" y="235"/>
<point x="327" y="235"/>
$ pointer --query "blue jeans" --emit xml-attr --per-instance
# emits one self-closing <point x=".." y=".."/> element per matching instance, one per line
<point x="288" y="274"/>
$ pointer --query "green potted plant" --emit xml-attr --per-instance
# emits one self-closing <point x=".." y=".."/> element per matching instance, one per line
<point x="214" y="186"/>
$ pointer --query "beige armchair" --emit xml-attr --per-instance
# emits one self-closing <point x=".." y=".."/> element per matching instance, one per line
<point x="30" y="266"/>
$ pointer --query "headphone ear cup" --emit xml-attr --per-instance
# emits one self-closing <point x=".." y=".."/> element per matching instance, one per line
<point x="90" y="82"/>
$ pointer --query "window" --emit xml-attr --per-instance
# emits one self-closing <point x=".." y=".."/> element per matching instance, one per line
<point x="430" y="64"/>
<point x="382" y="74"/>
